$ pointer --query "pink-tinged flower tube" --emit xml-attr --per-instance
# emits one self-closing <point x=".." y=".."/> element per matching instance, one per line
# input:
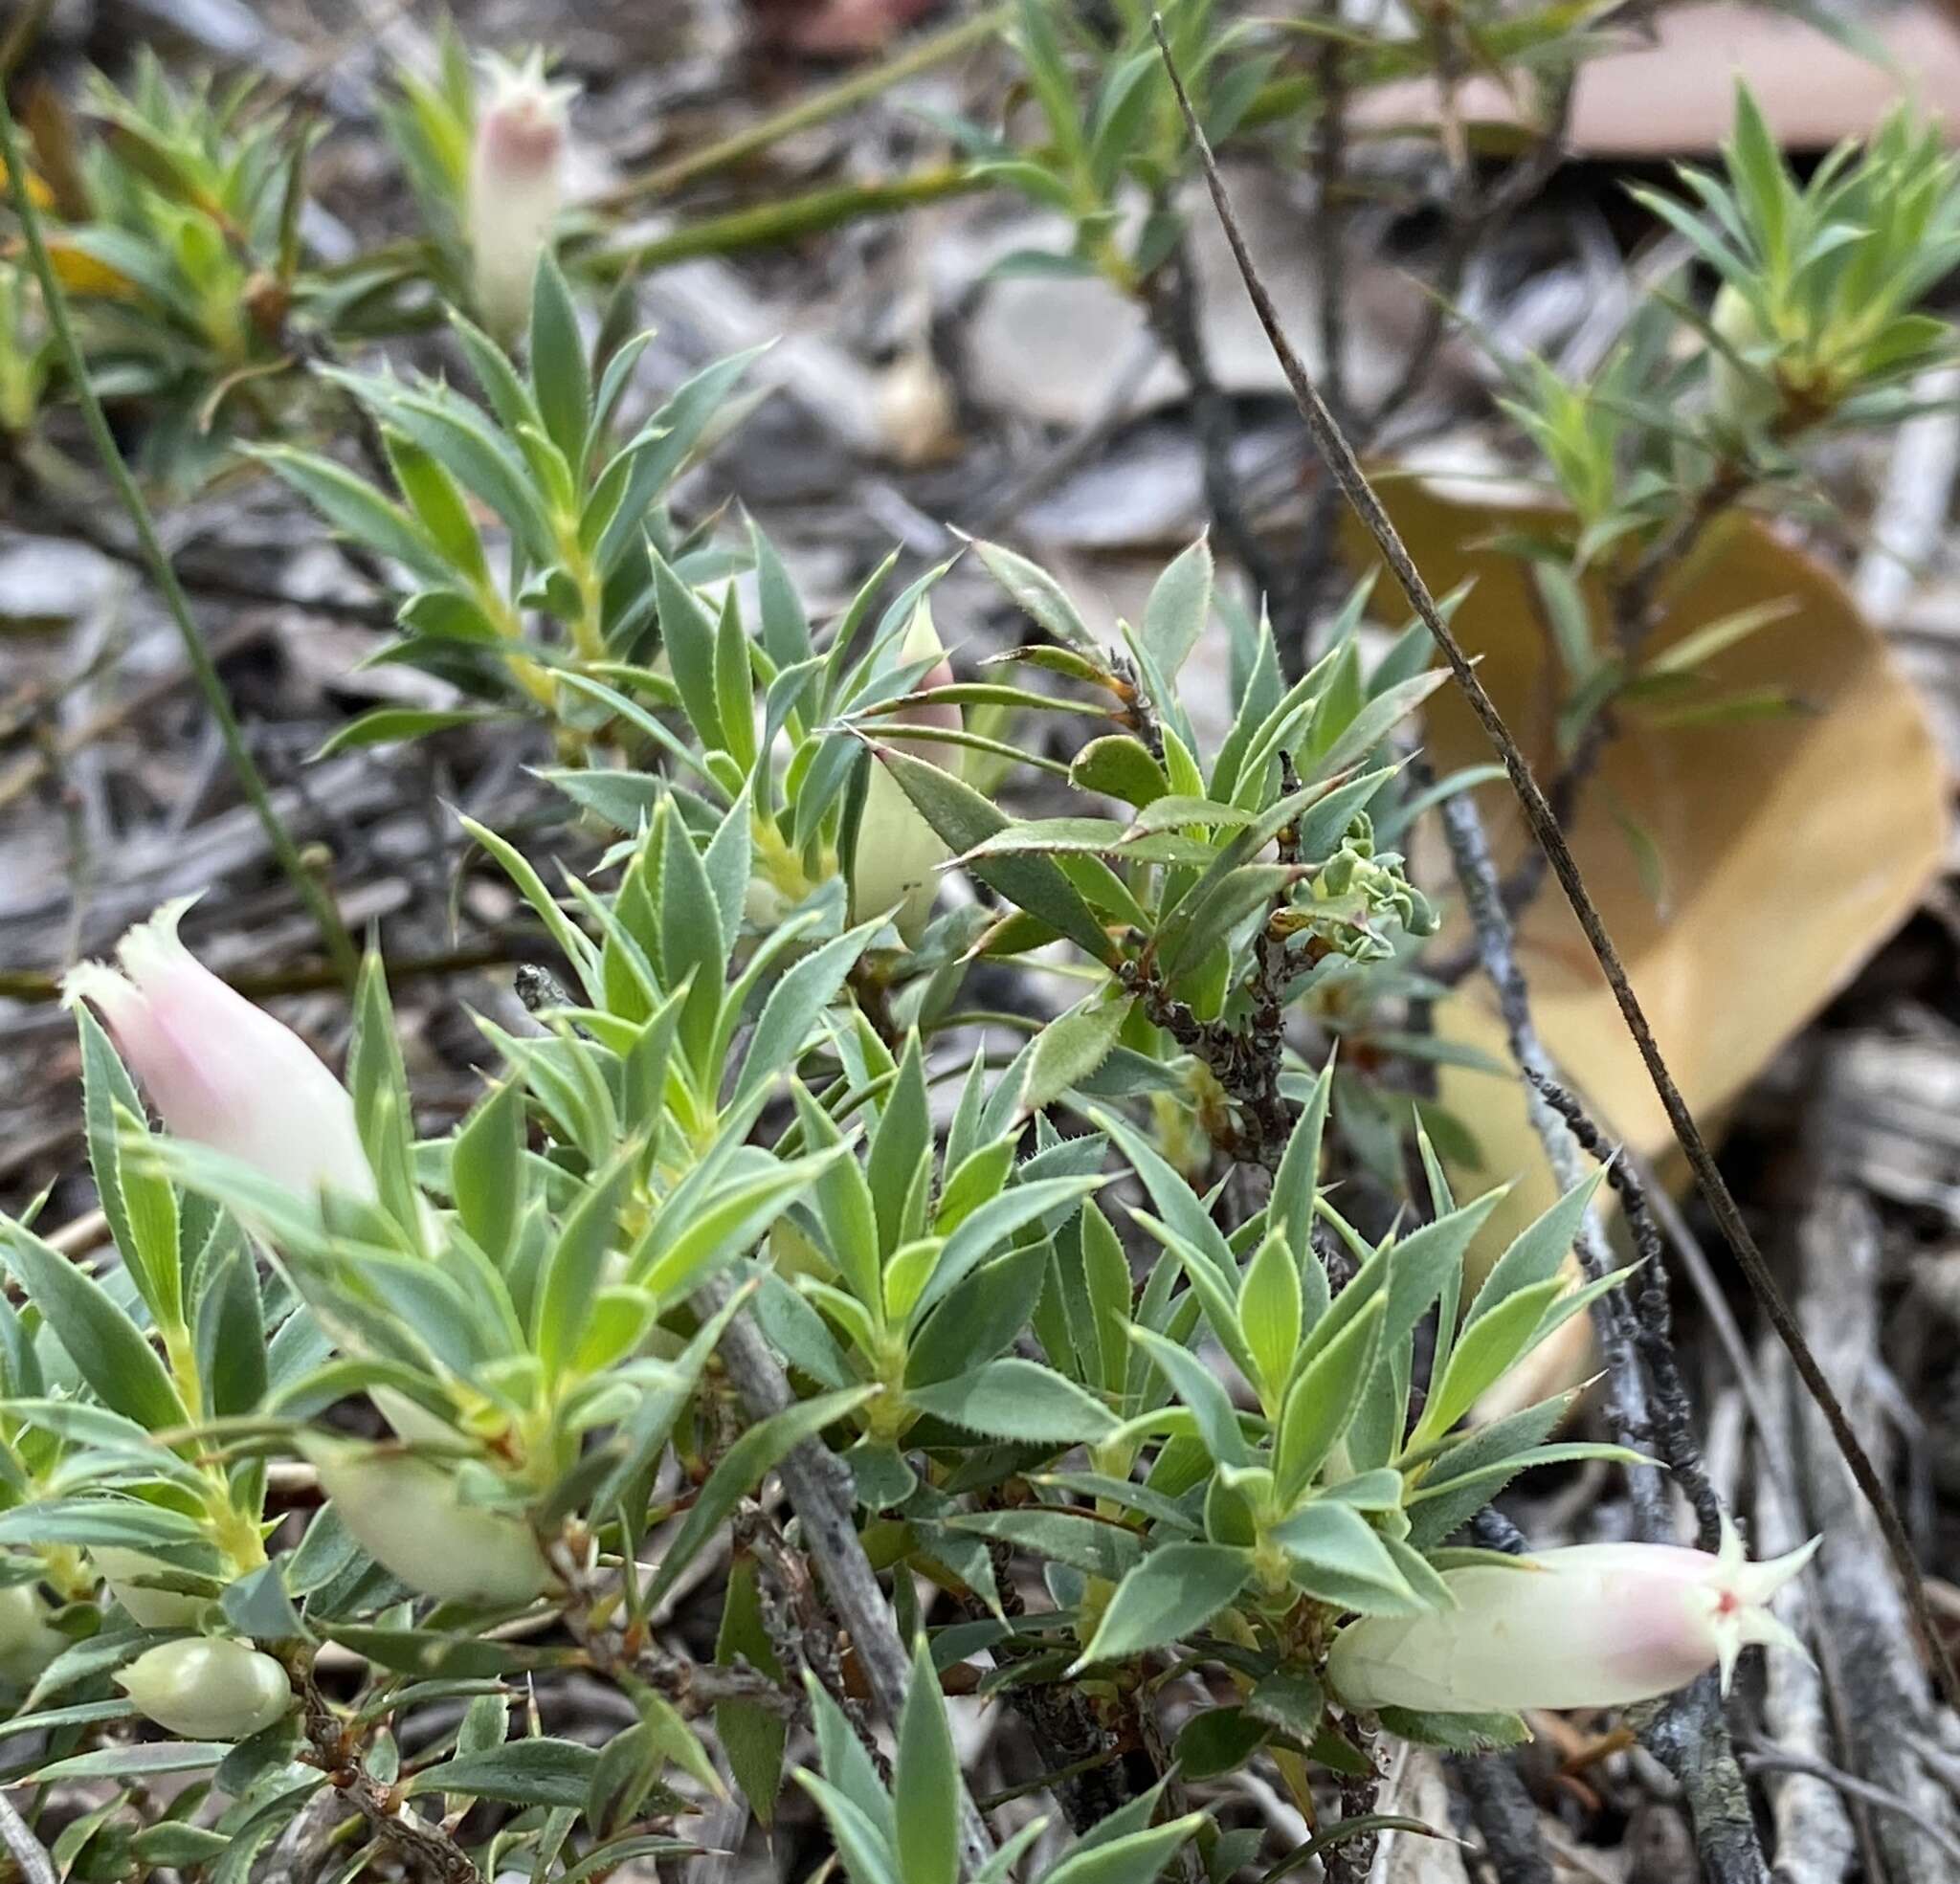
<point x="1592" y="1626"/>
<point x="895" y="865"/>
<point x="219" y="1070"/>
<point x="517" y="186"/>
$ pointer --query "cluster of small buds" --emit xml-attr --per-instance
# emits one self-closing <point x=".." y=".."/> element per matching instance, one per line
<point x="1357" y="895"/>
<point x="1592" y="1626"/>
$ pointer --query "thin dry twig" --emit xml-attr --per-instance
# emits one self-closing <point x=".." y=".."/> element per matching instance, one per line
<point x="339" y="944"/>
<point x="818" y="1485"/>
<point x="1647" y="1401"/>
<point x="424" y="1848"/>
<point x="30" y="1856"/>
<point x="817" y="108"/>
<point x="1347" y="472"/>
<point x="1767" y="1759"/>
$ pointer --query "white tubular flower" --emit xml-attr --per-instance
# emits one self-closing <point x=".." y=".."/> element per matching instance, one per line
<point x="208" y="1690"/>
<point x="1593" y="1626"/>
<point x="517" y="186"/>
<point x="221" y="1072"/>
<point x="898" y="854"/>
<point x="405" y="1512"/>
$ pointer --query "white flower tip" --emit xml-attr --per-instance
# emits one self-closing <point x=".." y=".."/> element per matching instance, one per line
<point x="1742" y="1594"/>
<point x="97" y="982"/>
<point x="1765" y="1579"/>
<point x="143" y="948"/>
<point x="154" y="945"/>
<point x="521" y="85"/>
<point x="921" y="639"/>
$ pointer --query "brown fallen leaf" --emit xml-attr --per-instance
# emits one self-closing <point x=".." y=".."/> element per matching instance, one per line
<point x="836" y="29"/>
<point x="1672" y="95"/>
<point x="1788" y="847"/>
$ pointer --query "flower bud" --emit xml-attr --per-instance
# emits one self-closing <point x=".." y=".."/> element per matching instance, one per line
<point x="221" y="1072"/>
<point x="150" y="1608"/>
<point x="406" y="1513"/>
<point x="28" y="1641"/>
<point x="516" y="184"/>
<point x="207" y="1689"/>
<point x="898" y="853"/>
<point x="918" y="422"/>
<point x="1746" y="395"/>
<point x="1593" y="1626"/>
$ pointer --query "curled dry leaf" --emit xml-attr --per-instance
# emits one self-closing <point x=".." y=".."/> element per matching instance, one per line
<point x="1787" y="848"/>
<point x="835" y="29"/>
<point x="1669" y="90"/>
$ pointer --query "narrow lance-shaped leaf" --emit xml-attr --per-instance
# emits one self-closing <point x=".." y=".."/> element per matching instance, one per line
<point x="573" y="1270"/>
<point x="1172" y="1594"/>
<point x="964" y="818"/>
<point x="108" y="1349"/>
<point x="1291" y="1207"/>
<point x="1269" y="1314"/>
<point x="740" y="1470"/>
<point x="925" y="1782"/>
<point x="1540" y="1247"/>
<point x="1016" y="1399"/>
<point x="559" y="375"/>
<point x="1038" y="594"/>
<point x="1179" y="606"/>
<point x="1070" y="1049"/>
<point x="487" y="1170"/>
<point x="751" y="1735"/>
<point x="1325" y="1398"/>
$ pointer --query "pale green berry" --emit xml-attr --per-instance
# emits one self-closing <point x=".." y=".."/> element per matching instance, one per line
<point x="207" y="1689"/>
<point x="406" y="1513"/>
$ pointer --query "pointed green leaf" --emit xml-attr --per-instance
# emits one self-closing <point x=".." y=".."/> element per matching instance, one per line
<point x="1072" y="1047"/>
<point x="1326" y="1397"/>
<point x="741" y="1469"/>
<point x="108" y="1349"/>
<point x="559" y="375"/>
<point x="1179" y="607"/>
<point x="1269" y="1314"/>
<point x="1016" y="1399"/>
<point x="1172" y="1594"/>
<point x="751" y="1735"/>
<point x="1538" y="1250"/>
<point x="925" y="1782"/>
<point x="964" y="817"/>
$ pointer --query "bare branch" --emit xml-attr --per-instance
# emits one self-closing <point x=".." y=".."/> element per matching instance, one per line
<point x="29" y="1854"/>
<point x="820" y="1488"/>
<point x="424" y="1848"/>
